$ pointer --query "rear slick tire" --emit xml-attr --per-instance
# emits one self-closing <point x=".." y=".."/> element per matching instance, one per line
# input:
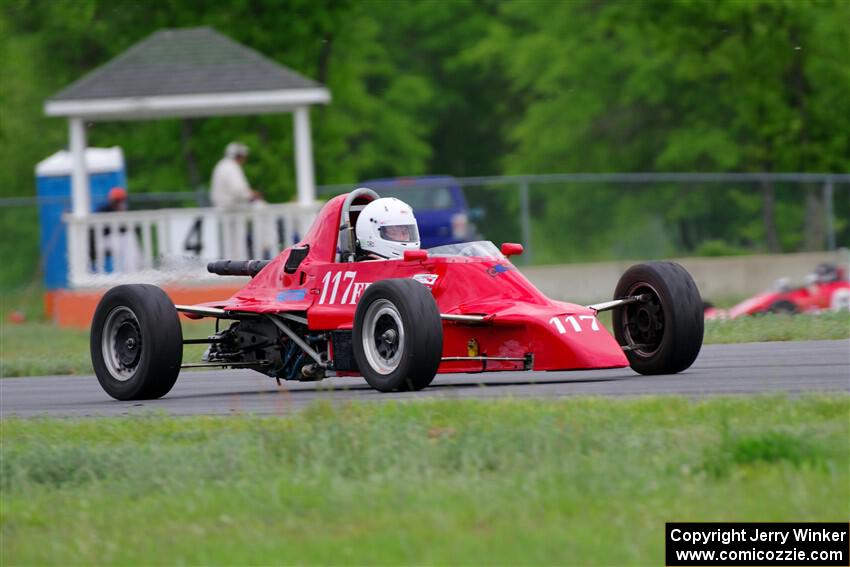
<point x="397" y="335"/>
<point x="136" y="342"/>
<point x="665" y="333"/>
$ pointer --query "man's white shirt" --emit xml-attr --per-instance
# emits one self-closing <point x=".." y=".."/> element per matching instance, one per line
<point x="230" y="188"/>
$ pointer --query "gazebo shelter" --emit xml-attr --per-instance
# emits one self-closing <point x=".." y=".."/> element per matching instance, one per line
<point x="187" y="73"/>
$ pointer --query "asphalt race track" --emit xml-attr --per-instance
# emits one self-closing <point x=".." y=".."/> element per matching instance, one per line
<point x="794" y="367"/>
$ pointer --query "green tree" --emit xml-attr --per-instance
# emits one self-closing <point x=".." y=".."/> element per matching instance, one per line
<point x="374" y="126"/>
<point x="681" y="86"/>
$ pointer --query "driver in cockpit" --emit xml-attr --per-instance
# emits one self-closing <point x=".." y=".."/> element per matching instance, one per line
<point x="386" y="228"/>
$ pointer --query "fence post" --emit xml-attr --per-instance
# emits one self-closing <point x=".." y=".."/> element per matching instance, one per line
<point x="828" y="208"/>
<point x="525" y="222"/>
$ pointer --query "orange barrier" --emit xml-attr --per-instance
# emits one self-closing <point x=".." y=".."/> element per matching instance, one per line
<point x="68" y="308"/>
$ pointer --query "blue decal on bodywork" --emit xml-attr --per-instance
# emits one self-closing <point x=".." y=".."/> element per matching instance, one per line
<point x="499" y="269"/>
<point x="292" y="295"/>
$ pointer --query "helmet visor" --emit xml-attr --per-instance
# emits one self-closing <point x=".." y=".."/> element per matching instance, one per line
<point x="399" y="233"/>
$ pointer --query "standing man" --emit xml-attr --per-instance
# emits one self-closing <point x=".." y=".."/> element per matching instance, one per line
<point x="116" y="200"/>
<point x="115" y="252"/>
<point x="229" y="187"/>
<point x="233" y="196"/>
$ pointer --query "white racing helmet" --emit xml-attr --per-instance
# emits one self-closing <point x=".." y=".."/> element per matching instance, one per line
<point x="386" y="227"/>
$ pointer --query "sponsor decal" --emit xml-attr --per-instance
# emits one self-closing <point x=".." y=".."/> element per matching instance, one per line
<point x="339" y="288"/>
<point x="426" y="279"/>
<point x="499" y="269"/>
<point x="292" y="295"/>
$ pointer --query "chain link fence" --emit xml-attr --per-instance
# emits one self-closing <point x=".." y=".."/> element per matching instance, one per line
<point x="584" y="217"/>
<point x="597" y="217"/>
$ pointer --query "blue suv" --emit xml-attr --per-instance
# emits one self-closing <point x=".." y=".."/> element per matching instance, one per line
<point x="440" y="206"/>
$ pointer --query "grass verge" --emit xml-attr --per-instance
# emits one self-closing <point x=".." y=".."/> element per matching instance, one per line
<point x="579" y="481"/>
<point x="42" y="349"/>
<point x="779" y="327"/>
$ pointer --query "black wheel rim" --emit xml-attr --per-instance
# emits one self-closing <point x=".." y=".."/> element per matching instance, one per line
<point x="386" y="337"/>
<point x="643" y="321"/>
<point x="121" y="344"/>
<point x="383" y="336"/>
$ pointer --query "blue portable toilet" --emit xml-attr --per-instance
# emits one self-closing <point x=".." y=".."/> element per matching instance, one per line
<point x="105" y="167"/>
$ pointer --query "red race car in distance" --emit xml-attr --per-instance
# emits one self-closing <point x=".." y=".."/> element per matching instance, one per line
<point x="826" y="289"/>
<point x="313" y="312"/>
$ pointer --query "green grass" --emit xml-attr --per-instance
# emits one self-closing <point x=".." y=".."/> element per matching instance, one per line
<point x="40" y="349"/>
<point x="579" y="481"/>
<point x="778" y="327"/>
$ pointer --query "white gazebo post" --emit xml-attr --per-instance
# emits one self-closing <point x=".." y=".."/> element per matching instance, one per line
<point x="80" y="202"/>
<point x="305" y="180"/>
<point x="79" y="176"/>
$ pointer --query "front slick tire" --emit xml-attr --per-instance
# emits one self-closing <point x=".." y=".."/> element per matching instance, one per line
<point x="136" y="342"/>
<point x="666" y="331"/>
<point x="397" y="335"/>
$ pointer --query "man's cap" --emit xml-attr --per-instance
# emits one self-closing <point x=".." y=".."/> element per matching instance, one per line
<point x="117" y="194"/>
<point x="236" y="149"/>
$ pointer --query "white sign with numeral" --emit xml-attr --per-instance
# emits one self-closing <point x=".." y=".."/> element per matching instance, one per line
<point x="194" y="235"/>
<point x="575" y="323"/>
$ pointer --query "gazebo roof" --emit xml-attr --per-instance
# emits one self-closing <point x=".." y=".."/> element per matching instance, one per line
<point x="182" y="73"/>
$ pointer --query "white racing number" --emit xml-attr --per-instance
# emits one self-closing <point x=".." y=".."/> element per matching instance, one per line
<point x="840" y="300"/>
<point x="334" y="282"/>
<point x="574" y="323"/>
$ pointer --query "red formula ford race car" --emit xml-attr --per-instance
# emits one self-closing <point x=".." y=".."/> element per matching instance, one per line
<point x="314" y="312"/>
<point x="826" y="289"/>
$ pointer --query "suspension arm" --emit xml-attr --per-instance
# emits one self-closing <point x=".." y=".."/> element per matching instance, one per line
<point x="606" y="305"/>
<point x="310" y="351"/>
